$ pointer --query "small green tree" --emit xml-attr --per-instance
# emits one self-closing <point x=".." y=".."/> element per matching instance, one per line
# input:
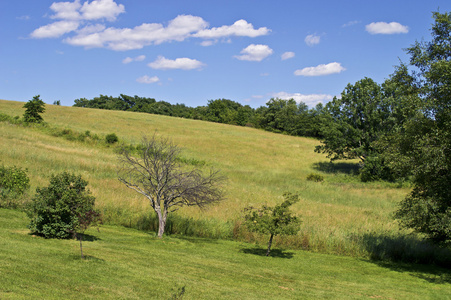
<point x="14" y="182"/>
<point x="34" y="108"/>
<point x="85" y="218"/>
<point x="277" y="220"/>
<point x="59" y="210"/>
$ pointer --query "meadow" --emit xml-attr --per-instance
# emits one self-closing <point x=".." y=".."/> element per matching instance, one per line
<point x="125" y="263"/>
<point x="340" y="215"/>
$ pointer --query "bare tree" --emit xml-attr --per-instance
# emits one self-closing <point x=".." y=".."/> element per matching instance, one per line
<point x="157" y="174"/>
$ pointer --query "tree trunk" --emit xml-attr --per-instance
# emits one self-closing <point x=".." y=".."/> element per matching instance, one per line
<point x="161" y="222"/>
<point x="269" y="245"/>
<point x="81" y="246"/>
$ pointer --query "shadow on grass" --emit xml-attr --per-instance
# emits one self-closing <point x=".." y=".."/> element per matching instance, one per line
<point x="420" y="258"/>
<point x="262" y="252"/>
<point x="337" y="168"/>
<point x="87" y="237"/>
<point x="195" y="240"/>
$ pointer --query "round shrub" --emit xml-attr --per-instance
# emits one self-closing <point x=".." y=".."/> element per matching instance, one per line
<point x="111" y="138"/>
<point x="57" y="211"/>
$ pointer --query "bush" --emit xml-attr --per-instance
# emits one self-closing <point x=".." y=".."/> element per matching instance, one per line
<point x="14" y="182"/>
<point x="111" y="138"/>
<point x="57" y="211"/>
<point x="315" y="177"/>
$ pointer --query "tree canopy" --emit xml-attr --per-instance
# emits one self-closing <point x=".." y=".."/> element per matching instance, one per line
<point x="424" y="144"/>
<point x="33" y="109"/>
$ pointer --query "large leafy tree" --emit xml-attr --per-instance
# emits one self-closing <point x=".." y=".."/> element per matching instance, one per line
<point x="354" y="121"/>
<point x="426" y="140"/>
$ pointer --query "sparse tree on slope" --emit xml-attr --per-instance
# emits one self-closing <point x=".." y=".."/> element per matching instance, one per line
<point x="157" y="174"/>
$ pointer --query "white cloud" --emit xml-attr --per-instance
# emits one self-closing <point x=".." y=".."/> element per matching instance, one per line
<point x="350" y="23"/>
<point x="66" y="10"/>
<point x="82" y="15"/>
<point x="128" y="60"/>
<point x="255" y="53"/>
<point x="146" y="79"/>
<point x="100" y="9"/>
<point x="311" y="99"/>
<point x="121" y="39"/>
<point x="386" y="28"/>
<point x="183" y="63"/>
<point x="321" y="70"/>
<point x="287" y="55"/>
<point x="55" y="29"/>
<point x="312" y="39"/>
<point x="94" y="10"/>
<point x="239" y="28"/>
<point x="207" y="43"/>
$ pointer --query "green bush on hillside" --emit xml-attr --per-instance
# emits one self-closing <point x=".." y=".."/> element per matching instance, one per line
<point x="59" y="210"/>
<point x="14" y="182"/>
<point x="111" y="138"/>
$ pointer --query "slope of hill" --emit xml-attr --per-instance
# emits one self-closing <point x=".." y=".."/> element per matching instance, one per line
<point x="340" y="215"/>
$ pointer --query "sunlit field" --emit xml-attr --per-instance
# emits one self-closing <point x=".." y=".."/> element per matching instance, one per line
<point x="340" y="215"/>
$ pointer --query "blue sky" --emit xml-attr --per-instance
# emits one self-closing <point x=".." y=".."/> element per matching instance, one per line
<point x="190" y="52"/>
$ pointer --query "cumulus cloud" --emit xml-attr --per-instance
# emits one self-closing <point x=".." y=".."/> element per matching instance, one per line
<point x="101" y="9"/>
<point x="81" y="18"/>
<point x="94" y="10"/>
<point x="255" y="53"/>
<point x="239" y="28"/>
<point x="55" y="29"/>
<point x="287" y="55"/>
<point x="321" y="70"/>
<point x="148" y="80"/>
<point x="121" y="39"/>
<point x="184" y="63"/>
<point x="128" y="60"/>
<point x="386" y="28"/>
<point x="312" y="39"/>
<point x="311" y="99"/>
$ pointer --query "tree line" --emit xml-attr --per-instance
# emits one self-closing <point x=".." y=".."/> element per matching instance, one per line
<point x="278" y="115"/>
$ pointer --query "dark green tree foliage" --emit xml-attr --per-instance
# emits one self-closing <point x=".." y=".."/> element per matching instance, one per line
<point x="284" y="116"/>
<point x="33" y="109"/>
<point x="14" y="182"/>
<point x="59" y="210"/>
<point x="355" y="125"/>
<point x="111" y="138"/>
<point x="354" y="121"/>
<point x="277" y="220"/>
<point x="426" y="139"/>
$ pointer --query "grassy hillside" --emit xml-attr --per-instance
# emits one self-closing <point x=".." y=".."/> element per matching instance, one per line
<point x="340" y="215"/>
<point x="129" y="264"/>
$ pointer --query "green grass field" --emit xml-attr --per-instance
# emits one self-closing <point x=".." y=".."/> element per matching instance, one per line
<point x="340" y="215"/>
<point x="124" y="263"/>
